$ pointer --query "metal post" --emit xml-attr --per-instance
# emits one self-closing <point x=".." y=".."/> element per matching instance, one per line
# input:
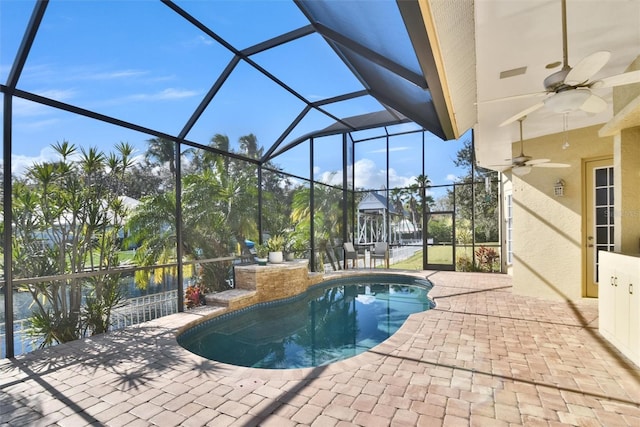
<point x="473" y="202"/>
<point x="385" y="225"/>
<point x="260" y="186"/>
<point x="8" y="227"/>
<point x="12" y="80"/>
<point x="312" y="243"/>
<point x="179" y="233"/>
<point x="423" y="219"/>
<point x="345" y="193"/>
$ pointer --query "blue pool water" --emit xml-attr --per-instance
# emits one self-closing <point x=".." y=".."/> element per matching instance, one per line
<point x="332" y="321"/>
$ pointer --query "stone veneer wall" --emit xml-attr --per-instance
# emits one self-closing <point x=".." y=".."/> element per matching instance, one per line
<point x="272" y="282"/>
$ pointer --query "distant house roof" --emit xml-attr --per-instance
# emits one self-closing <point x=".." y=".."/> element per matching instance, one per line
<point x="129" y="202"/>
<point x="374" y="202"/>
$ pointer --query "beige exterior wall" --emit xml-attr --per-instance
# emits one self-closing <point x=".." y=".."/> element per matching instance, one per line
<point x="548" y="230"/>
<point x="627" y="193"/>
<point x="627" y="173"/>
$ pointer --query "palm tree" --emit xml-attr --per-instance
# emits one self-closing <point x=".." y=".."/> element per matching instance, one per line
<point x="415" y="205"/>
<point x="327" y="216"/>
<point x="221" y="142"/>
<point x="218" y="206"/>
<point x="249" y="146"/>
<point x="162" y="151"/>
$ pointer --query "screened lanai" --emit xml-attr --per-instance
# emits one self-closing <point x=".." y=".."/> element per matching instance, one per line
<point x="224" y="123"/>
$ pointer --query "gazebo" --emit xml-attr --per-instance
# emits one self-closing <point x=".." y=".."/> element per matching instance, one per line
<point x="372" y="224"/>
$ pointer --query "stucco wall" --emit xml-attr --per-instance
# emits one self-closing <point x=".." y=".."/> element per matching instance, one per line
<point x="627" y="173"/>
<point x="627" y="191"/>
<point x="548" y="229"/>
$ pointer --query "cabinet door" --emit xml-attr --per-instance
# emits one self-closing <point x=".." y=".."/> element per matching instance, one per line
<point x="606" y="300"/>
<point x="634" y="311"/>
<point x="621" y="278"/>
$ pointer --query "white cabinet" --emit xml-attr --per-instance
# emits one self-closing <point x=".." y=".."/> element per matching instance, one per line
<point x="619" y="302"/>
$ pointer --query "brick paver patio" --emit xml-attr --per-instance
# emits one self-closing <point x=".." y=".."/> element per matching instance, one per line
<point x="482" y="357"/>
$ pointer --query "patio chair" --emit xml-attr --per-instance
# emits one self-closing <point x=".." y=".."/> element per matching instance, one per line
<point x="380" y="251"/>
<point x="351" y="254"/>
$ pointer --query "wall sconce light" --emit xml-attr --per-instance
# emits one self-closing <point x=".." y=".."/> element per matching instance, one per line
<point x="558" y="188"/>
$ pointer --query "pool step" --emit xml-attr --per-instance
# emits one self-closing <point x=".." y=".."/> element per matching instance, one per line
<point x="229" y="298"/>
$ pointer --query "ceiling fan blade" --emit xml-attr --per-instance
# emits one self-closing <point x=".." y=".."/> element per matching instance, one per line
<point x="587" y="68"/>
<point x="522" y="114"/>
<point x="594" y="104"/>
<point x="501" y="167"/>
<point x="618" y="80"/>
<point x="536" y="162"/>
<point x="510" y="98"/>
<point x="551" y="165"/>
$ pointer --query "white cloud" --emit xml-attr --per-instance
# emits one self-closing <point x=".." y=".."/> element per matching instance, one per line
<point x="368" y="175"/>
<point x="398" y="181"/>
<point x="384" y="150"/>
<point x="169" y="93"/>
<point x="24" y="108"/>
<point x="451" y="177"/>
<point x="331" y="178"/>
<point x="205" y="40"/>
<point x="111" y="75"/>
<point x="20" y="163"/>
<point x="58" y="94"/>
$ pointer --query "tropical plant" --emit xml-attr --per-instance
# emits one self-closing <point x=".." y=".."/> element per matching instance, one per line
<point x="249" y="146"/>
<point x="297" y="245"/>
<point x="464" y="263"/>
<point x="476" y="195"/>
<point x="486" y="258"/>
<point x="68" y="218"/>
<point x="327" y="218"/>
<point x="419" y="200"/>
<point x="276" y="243"/>
<point x="262" y="251"/>
<point x="218" y="209"/>
<point x="162" y="151"/>
<point x="193" y="296"/>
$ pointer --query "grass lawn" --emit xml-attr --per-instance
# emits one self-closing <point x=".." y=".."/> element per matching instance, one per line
<point x="437" y="255"/>
<point x="126" y="256"/>
<point x="123" y="257"/>
<point x="412" y="263"/>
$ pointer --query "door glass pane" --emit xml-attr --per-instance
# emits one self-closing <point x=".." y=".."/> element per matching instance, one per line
<point x="601" y="216"/>
<point x="601" y="234"/>
<point x="603" y="179"/>
<point x="440" y="238"/>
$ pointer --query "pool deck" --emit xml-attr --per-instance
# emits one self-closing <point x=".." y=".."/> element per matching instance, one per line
<point x="482" y="357"/>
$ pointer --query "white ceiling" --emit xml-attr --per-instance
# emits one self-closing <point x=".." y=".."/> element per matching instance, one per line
<point x="528" y="33"/>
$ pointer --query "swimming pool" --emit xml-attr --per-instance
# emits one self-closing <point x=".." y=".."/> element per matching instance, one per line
<point x="332" y="321"/>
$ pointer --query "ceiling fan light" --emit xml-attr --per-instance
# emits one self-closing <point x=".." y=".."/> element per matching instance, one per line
<point x="521" y="170"/>
<point x="567" y="101"/>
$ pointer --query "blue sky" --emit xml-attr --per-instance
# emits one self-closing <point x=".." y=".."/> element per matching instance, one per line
<point x="138" y="61"/>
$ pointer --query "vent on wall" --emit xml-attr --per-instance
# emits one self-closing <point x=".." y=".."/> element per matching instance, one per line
<point x="513" y="72"/>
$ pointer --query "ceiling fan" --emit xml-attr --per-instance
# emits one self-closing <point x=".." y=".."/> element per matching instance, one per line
<point x="569" y="89"/>
<point x="522" y="164"/>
